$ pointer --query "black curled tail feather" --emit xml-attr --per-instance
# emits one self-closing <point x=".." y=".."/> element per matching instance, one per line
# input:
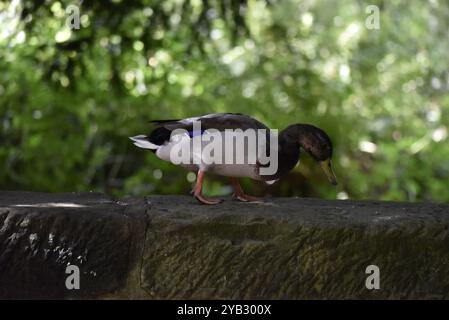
<point x="159" y="122"/>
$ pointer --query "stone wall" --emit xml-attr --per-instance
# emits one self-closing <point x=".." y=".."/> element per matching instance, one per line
<point x="166" y="247"/>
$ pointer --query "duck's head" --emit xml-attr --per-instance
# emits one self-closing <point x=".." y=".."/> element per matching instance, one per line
<point x="317" y="143"/>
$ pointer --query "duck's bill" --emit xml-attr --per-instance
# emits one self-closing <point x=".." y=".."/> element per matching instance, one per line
<point x="326" y="165"/>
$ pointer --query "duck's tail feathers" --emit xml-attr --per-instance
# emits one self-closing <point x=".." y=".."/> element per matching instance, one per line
<point x="142" y="141"/>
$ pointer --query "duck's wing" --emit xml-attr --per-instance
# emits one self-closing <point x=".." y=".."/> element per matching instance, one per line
<point x="218" y="121"/>
<point x="221" y="122"/>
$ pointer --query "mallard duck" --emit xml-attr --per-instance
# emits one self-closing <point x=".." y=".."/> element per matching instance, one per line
<point x="169" y="135"/>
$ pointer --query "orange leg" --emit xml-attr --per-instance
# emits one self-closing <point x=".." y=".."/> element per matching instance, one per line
<point x="198" y="190"/>
<point x="239" y="194"/>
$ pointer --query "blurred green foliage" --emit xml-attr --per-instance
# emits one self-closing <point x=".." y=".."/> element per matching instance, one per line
<point x="69" y="99"/>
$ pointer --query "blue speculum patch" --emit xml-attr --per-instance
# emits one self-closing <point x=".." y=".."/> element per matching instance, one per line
<point x="195" y="133"/>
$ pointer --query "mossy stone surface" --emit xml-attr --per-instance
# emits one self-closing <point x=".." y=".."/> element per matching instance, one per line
<point x="171" y="247"/>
